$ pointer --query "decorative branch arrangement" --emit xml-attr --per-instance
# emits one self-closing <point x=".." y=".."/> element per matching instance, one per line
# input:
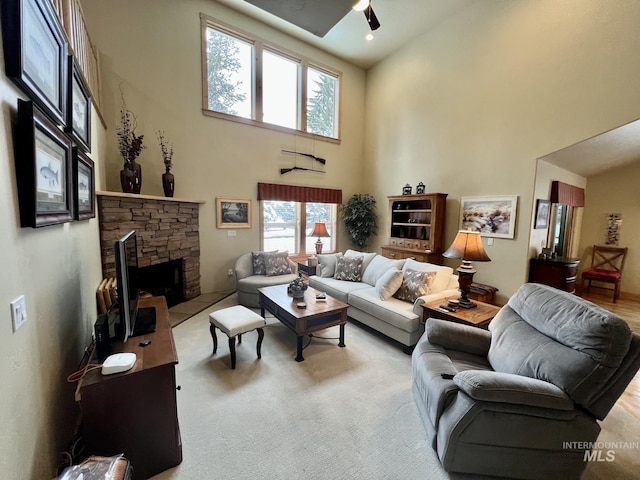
<point x="166" y="150"/>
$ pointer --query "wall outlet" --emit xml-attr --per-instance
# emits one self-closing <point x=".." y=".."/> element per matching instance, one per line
<point x="18" y="312"/>
<point x="231" y="233"/>
<point x="230" y="272"/>
<point x="489" y="241"/>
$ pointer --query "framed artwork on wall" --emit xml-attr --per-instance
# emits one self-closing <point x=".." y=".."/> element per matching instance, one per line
<point x="43" y="169"/>
<point x="78" y="107"/>
<point x="543" y="208"/>
<point x="233" y="213"/>
<point x="84" y="193"/>
<point x="491" y="216"/>
<point x="35" y="52"/>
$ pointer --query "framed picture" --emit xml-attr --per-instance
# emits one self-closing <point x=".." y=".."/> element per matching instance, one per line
<point x="78" y="107"/>
<point x="233" y="213"/>
<point x="491" y="216"/>
<point x="43" y="169"/>
<point x="84" y="191"/>
<point x="35" y="52"/>
<point x="543" y="208"/>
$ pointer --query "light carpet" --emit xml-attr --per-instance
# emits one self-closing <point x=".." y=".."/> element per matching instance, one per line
<point x="343" y="413"/>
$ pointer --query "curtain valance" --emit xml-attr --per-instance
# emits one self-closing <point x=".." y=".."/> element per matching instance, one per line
<point x="296" y="193"/>
<point x="567" y="194"/>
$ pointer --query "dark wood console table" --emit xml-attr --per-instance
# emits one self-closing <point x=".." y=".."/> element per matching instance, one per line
<point x="135" y="412"/>
<point x="558" y="272"/>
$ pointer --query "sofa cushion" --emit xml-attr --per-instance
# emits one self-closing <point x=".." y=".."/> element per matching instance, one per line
<point x="443" y="274"/>
<point x="415" y="284"/>
<point x="277" y="263"/>
<point x="393" y="311"/>
<point x="327" y="265"/>
<point x="349" y="269"/>
<point x="389" y="283"/>
<point x="377" y="267"/>
<point x="366" y="257"/>
<point x="336" y="288"/>
<point x="257" y="259"/>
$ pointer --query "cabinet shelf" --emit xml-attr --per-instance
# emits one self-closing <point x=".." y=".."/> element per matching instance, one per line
<point x="408" y="224"/>
<point x="414" y="210"/>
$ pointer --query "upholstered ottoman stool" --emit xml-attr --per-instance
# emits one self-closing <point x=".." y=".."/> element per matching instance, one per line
<point x="234" y="321"/>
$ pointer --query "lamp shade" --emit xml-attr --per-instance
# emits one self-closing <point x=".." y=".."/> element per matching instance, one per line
<point x="319" y="230"/>
<point x="467" y="246"/>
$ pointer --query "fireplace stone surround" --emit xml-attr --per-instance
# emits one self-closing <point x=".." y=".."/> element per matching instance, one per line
<point x="167" y="228"/>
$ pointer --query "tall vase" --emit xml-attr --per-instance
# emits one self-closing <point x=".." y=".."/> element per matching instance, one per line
<point x="131" y="177"/>
<point x="168" y="183"/>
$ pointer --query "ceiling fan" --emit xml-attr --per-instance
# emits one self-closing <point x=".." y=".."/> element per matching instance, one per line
<point x="365" y="7"/>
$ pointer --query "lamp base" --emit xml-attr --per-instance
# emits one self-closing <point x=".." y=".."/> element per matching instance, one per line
<point x="319" y="247"/>
<point x="468" y="304"/>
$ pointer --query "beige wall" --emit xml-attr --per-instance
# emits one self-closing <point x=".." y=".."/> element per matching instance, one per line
<point x="57" y="268"/>
<point x="151" y="49"/>
<point x="614" y="191"/>
<point x="468" y="107"/>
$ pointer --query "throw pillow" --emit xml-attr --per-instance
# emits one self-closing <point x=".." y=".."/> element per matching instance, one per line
<point x="327" y="265"/>
<point x="415" y="284"/>
<point x="378" y="267"/>
<point x="443" y="274"/>
<point x="389" y="283"/>
<point x="349" y="269"/>
<point x="259" y="267"/>
<point x="366" y="257"/>
<point x="277" y="263"/>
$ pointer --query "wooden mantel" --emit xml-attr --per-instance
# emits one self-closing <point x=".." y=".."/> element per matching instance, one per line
<point x="148" y="197"/>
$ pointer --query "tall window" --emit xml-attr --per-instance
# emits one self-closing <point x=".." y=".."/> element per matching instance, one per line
<point x="286" y="226"/>
<point x="252" y="81"/>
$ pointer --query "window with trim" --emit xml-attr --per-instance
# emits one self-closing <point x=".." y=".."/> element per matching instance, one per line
<point x="252" y="81"/>
<point x="289" y="214"/>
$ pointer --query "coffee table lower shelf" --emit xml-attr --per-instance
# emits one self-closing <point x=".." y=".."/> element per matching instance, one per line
<point x="303" y="321"/>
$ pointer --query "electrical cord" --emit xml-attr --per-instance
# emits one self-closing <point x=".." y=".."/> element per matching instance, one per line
<point x="78" y="374"/>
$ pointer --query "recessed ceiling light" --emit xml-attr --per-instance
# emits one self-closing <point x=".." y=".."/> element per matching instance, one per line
<point x="369" y="36"/>
<point x="361" y="5"/>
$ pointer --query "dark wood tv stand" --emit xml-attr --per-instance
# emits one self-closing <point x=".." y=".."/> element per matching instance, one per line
<point x="135" y="412"/>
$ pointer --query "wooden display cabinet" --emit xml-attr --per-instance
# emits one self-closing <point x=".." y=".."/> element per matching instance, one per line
<point x="416" y="227"/>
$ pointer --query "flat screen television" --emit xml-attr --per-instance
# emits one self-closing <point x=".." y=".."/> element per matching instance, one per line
<point x="132" y="321"/>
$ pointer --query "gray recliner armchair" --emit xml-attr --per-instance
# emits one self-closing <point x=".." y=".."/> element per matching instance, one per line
<point x="524" y="398"/>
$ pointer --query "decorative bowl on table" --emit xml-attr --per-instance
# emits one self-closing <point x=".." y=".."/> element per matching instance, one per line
<point x="297" y="287"/>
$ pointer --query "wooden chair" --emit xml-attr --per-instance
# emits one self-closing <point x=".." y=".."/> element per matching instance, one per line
<point x="606" y="266"/>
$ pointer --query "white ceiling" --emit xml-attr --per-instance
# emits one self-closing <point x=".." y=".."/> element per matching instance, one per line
<point x="400" y="21"/>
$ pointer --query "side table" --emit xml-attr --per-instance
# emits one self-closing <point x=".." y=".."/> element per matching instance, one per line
<point x="476" y="317"/>
<point x="306" y="270"/>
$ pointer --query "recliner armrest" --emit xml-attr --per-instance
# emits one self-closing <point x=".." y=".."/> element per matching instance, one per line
<point x="456" y="336"/>
<point x="490" y="386"/>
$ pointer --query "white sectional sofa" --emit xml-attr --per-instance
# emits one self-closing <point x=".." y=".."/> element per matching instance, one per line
<point x="371" y="299"/>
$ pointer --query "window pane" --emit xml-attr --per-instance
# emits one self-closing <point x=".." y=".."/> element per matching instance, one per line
<point x="280" y="220"/>
<point x="229" y="73"/>
<point x="321" y="104"/>
<point x="279" y="90"/>
<point x="320" y="212"/>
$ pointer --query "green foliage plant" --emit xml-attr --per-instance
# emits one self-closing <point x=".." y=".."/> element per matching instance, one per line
<point x="360" y="219"/>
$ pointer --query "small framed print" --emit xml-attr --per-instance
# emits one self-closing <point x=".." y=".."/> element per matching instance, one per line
<point x="233" y="213"/>
<point x="542" y="213"/>
<point x="35" y="52"/>
<point x="78" y="107"/>
<point x="84" y="186"/>
<point x="43" y="169"/>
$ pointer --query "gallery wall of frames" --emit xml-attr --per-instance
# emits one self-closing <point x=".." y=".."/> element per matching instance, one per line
<point x="55" y="175"/>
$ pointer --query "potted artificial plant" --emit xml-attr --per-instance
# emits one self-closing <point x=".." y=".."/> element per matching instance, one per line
<point x="360" y="220"/>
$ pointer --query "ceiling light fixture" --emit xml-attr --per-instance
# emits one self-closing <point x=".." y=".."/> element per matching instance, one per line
<point x="361" y="5"/>
<point x="369" y="36"/>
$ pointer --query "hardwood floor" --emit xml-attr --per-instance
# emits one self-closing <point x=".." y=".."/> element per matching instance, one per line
<point x="629" y="310"/>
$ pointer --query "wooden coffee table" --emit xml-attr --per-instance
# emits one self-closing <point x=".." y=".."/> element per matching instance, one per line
<point x="303" y="321"/>
<point x="479" y="316"/>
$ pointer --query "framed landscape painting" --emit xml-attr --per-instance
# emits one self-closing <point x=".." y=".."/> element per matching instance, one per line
<point x="35" y="51"/>
<point x="84" y="186"/>
<point x="43" y="169"/>
<point x="233" y="213"/>
<point x="491" y="216"/>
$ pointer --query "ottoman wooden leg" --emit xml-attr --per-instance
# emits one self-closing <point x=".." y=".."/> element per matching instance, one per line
<point x="212" y="329"/>
<point x="260" y="337"/>
<point x="232" y="349"/>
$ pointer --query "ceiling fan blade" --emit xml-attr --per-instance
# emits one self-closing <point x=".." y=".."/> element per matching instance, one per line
<point x="374" y="24"/>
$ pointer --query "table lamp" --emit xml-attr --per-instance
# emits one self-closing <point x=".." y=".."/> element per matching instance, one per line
<point x="319" y="230"/>
<point x="467" y="246"/>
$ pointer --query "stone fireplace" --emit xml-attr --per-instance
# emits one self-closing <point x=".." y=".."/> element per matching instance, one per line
<point x="167" y="230"/>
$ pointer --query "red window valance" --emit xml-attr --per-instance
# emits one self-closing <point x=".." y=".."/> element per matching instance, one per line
<point x="567" y="194"/>
<point x="295" y="193"/>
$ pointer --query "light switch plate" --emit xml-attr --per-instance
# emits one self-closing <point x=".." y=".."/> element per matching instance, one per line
<point x="18" y="312"/>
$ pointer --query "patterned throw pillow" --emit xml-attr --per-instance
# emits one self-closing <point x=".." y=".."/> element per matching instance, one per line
<point x="277" y="263"/>
<point x="349" y="269"/>
<point x="257" y="259"/>
<point x="415" y="284"/>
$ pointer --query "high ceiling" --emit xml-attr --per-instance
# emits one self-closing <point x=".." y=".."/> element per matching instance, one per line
<point x="401" y="22"/>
